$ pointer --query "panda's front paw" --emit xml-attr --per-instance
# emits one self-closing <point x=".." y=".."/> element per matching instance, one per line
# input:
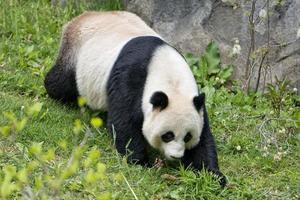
<point x="221" y="177"/>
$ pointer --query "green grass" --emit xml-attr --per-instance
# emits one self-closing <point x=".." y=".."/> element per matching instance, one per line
<point x="248" y="133"/>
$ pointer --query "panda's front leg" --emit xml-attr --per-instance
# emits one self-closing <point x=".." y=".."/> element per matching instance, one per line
<point x="133" y="146"/>
<point x="204" y="154"/>
<point x="129" y="139"/>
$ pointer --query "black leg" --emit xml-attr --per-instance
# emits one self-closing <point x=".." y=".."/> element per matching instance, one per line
<point x="60" y="83"/>
<point x="128" y="137"/>
<point x="204" y="155"/>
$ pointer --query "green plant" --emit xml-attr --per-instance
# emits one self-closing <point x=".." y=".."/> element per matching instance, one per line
<point x="39" y="173"/>
<point x="279" y="94"/>
<point x="208" y="70"/>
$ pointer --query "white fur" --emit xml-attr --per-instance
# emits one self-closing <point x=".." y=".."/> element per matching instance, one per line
<point x="168" y="72"/>
<point x="102" y="36"/>
<point x="93" y="68"/>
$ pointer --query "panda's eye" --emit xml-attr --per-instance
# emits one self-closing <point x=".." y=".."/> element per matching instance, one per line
<point x="168" y="137"/>
<point x="187" y="137"/>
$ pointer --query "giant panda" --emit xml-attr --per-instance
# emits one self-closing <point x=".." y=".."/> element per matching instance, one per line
<point x="120" y="65"/>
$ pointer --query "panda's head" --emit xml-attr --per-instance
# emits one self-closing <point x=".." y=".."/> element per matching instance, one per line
<point x="173" y="125"/>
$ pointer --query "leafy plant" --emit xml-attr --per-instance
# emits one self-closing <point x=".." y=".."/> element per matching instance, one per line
<point x="208" y="70"/>
<point x="42" y="174"/>
<point x="279" y="94"/>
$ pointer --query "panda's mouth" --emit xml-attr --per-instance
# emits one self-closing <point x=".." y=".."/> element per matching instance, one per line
<point x="175" y="158"/>
<point x="172" y="158"/>
<point x="172" y="161"/>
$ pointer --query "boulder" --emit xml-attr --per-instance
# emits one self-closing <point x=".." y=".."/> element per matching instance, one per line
<point x="189" y="25"/>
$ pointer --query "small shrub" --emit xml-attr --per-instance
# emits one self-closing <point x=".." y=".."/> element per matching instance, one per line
<point x="208" y="70"/>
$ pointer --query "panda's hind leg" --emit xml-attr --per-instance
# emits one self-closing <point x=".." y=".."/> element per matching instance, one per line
<point x="60" y="81"/>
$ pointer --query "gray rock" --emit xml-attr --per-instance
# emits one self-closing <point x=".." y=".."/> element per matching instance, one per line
<point x="190" y="25"/>
<point x="178" y="22"/>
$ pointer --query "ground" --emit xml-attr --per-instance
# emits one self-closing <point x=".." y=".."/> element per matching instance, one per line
<point x="50" y="150"/>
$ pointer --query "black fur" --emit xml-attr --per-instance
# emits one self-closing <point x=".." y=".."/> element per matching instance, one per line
<point x="204" y="155"/>
<point x="60" y="81"/>
<point x="125" y="88"/>
<point x="199" y="101"/>
<point x="159" y="100"/>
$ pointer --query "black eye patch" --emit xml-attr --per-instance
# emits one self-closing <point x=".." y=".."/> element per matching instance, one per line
<point x="187" y="137"/>
<point x="168" y="137"/>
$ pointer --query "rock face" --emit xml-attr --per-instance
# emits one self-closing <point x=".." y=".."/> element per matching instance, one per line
<point x="190" y="25"/>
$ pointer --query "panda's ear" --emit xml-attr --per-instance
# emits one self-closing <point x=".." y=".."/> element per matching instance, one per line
<point x="199" y="101"/>
<point x="159" y="100"/>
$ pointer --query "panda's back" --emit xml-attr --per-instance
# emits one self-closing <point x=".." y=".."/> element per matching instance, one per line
<point x="101" y="44"/>
<point x="97" y="40"/>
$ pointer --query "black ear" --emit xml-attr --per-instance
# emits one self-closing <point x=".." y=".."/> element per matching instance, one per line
<point x="159" y="100"/>
<point x="199" y="101"/>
